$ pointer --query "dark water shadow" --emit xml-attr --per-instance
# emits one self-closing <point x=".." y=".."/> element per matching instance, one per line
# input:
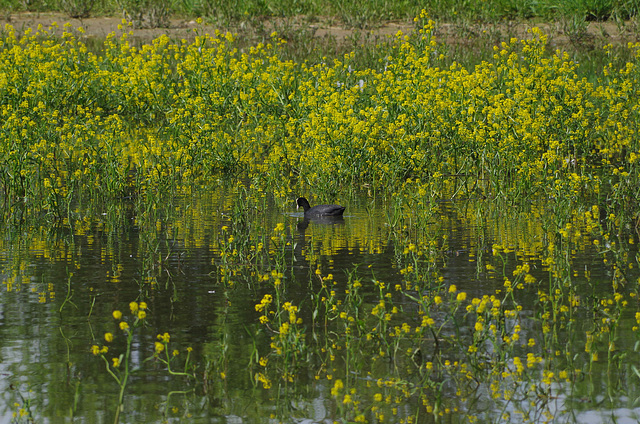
<point x="319" y="220"/>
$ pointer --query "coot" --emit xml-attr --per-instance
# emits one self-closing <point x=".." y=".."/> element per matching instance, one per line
<point x="320" y="210"/>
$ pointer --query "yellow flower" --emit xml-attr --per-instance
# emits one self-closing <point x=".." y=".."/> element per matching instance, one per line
<point x="124" y="325"/>
<point x="142" y="314"/>
<point x="116" y="362"/>
<point x="108" y="337"/>
<point x="117" y="314"/>
<point x="95" y="349"/>
<point x="427" y="321"/>
<point x="159" y="347"/>
<point x="336" y="387"/>
<point x="134" y="307"/>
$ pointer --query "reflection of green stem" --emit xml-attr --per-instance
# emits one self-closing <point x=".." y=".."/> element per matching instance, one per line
<point x="93" y="302"/>
<point x="177" y="392"/>
<point x="69" y="294"/>
<point x="68" y="342"/>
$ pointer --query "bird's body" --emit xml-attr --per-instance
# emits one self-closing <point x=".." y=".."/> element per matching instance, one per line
<point x="320" y="210"/>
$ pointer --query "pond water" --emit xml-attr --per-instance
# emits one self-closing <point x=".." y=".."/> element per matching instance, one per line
<point x="386" y="315"/>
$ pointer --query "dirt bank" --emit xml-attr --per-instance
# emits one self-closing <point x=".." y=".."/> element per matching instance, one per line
<point x="560" y="34"/>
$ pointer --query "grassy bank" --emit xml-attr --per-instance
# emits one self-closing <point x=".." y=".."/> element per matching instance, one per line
<point x="349" y="13"/>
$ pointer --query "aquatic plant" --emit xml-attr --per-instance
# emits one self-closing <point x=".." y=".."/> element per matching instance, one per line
<point x="119" y="366"/>
<point x="145" y="141"/>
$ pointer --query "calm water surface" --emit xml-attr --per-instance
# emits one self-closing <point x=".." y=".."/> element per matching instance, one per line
<point x="60" y="287"/>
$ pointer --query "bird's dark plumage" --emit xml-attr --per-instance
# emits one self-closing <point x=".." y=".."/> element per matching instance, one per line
<point x="320" y="210"/>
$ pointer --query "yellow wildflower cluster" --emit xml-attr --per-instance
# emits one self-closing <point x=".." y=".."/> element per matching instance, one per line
<point x="522" y="122"/>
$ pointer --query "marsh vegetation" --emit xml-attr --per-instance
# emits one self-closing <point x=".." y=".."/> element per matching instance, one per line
<point x="154" y="269"/>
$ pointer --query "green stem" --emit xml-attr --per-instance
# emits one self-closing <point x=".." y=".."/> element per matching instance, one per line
<point x="123" y="383"/>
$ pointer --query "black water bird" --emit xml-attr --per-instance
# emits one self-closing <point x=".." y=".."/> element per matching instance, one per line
<point x="320" y="210"/>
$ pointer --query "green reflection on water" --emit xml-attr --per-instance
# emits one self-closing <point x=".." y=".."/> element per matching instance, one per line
<point x="469" y="310"/>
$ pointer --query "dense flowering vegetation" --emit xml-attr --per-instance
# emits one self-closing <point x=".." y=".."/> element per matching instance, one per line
<point x="521" y="126"/>
<point x="522" y="138"/>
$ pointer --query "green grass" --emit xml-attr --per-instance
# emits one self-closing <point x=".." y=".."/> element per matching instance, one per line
<point x="351" y="13"/>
